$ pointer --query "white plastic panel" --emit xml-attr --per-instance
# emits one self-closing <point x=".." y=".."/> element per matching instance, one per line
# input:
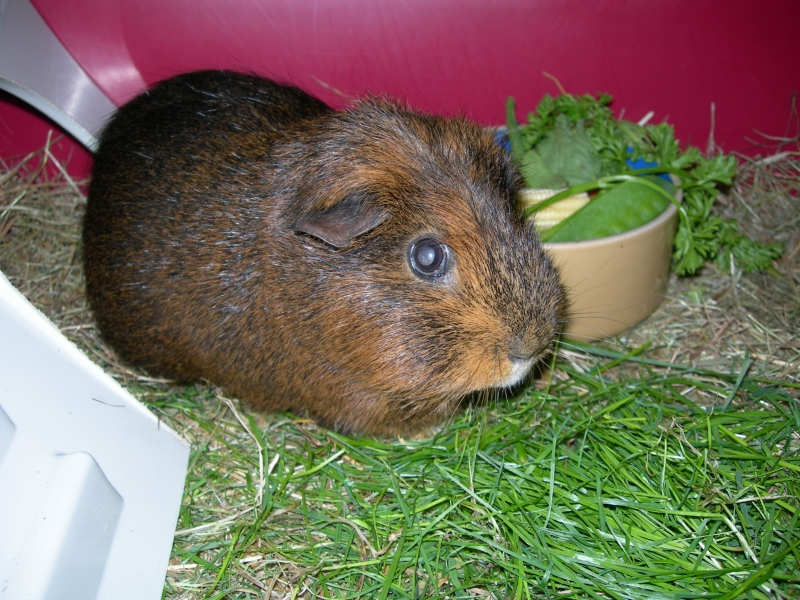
<point x="72" y="533"/>
<point x="7" y="430"/>
<point x="90" y="481"/>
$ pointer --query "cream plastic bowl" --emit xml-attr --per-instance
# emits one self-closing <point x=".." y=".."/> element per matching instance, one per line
<point x="615" y="282"/>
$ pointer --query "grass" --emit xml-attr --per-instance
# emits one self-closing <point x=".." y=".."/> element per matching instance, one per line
<point x="608" y="483"/>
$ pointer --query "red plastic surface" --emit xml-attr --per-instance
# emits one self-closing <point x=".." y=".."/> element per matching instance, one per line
<point x="674" y="57"/>
<point x="24" y="130"/>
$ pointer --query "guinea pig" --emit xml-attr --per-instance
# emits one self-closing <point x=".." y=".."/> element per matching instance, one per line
<point x="366" y="267"/>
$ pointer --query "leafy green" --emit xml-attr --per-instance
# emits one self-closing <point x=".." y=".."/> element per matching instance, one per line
<point x="568" y="151"/>
<point x="701" y="236"/>
<point x="537" y="174"/>
<point x="512" y="127"/>
<point x="621" y="208"/>
<point x="532" y="166"/>
<point x="749" y="254"/>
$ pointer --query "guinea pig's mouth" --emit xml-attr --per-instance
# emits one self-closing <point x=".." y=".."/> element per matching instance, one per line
<point x="520" y="367"/>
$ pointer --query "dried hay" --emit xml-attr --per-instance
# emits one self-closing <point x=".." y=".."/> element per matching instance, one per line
<point x="40" y="250"/>
<point x="715" y="319"/>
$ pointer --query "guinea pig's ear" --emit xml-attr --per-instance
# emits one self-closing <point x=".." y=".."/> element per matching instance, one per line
<point x="339" y="224"/>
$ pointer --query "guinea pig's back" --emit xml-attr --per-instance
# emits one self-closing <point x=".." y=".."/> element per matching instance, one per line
<point x="177" y="189"/>
<point x="192" y="124"/>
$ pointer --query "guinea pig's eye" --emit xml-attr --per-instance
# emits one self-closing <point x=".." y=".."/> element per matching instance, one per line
<point x="428" y="257"/>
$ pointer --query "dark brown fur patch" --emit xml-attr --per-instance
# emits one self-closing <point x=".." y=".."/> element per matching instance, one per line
<point x="196" y="268"/>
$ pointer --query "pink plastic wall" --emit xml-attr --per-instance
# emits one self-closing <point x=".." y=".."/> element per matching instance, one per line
<point x="674" y="57"/>
<point x="24" y="130"/>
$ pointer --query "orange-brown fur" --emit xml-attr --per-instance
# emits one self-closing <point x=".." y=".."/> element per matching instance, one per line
<point x="199" y="263"/>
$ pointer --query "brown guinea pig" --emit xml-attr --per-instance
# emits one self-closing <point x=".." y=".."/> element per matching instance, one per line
<point x="366" y="267"/>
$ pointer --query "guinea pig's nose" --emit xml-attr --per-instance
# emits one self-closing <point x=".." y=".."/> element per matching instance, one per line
<point x="519" y="351"/>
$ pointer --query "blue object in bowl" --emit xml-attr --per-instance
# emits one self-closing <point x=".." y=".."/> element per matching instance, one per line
<point x="501" y="139"/>
<point x="641" y="163"/>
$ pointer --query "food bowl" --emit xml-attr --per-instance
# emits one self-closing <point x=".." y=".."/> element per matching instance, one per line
<point x="615" y="282"/>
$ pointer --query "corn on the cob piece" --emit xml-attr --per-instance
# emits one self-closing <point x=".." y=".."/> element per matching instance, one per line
<point x="555" y="213"/>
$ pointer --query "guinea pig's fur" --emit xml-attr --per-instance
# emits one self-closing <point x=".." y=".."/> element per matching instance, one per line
<point x="242" y="232"/>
